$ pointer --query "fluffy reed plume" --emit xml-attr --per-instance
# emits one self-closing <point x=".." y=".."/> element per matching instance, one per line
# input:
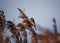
<point x="23" y="15"/>
<point x="55" y="26"/>
<point x="32" y="21"/>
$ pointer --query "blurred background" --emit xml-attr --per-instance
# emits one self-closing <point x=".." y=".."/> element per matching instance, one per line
<point x="43" y="11"/>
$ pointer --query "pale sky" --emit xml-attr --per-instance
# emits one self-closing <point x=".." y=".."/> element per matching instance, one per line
<point x="43" y="11"/>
